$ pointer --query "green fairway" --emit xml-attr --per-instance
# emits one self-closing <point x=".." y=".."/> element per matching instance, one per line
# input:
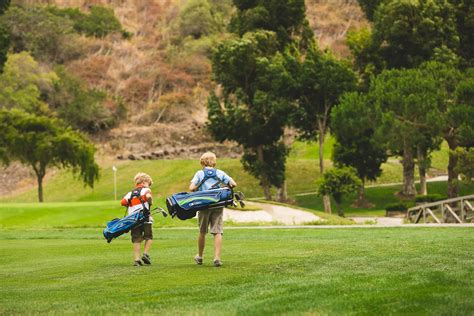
<point x="278" y="271"/>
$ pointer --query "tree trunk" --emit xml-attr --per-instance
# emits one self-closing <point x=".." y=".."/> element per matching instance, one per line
<point x="39" y="177"/>
<point x="322" y="132"/>
<point x="408" y="172"/>
<point x="282" y="195"/>
<point x="453" y="184"/>
<point x="361" y="199"/>
<point x="263" y="178"/>
<point x="422" y="169"/>
<point x="340" y="211"/>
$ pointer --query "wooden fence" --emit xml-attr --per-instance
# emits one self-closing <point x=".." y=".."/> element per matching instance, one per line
<point x="457" y="210"/>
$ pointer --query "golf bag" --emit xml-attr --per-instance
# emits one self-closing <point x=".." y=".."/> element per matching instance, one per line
<point x="120" y="226"/>
<point x="185" y="205"/>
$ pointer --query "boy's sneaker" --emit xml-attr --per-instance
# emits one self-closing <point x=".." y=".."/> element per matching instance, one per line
<point x="217" y="263"/>
<point x="137" y="263"/>
<point x="198" y="260"/>
<point x="146" y="258"/>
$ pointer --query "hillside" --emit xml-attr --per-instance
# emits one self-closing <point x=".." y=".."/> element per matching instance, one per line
<point x="161" y="74"/>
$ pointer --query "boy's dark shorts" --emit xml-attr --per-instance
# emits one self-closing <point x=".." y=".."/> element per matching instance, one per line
<point x="143" y="232"/>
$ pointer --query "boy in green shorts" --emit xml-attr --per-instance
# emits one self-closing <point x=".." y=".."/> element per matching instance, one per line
<point x="210" y="217"/>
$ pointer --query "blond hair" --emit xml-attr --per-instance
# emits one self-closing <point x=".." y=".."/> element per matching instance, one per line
<point x="208" y="159"/>
<point x="142" y="177"/>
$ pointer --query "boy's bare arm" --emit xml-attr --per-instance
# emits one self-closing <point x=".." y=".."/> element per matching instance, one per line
<point x="149" y="198"/>
<point x="192" y="187"/>
<point x="232" y="183"/>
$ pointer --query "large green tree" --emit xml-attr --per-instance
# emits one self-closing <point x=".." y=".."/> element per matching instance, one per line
<point x="321" y="79"/>
<point x="252" y="109"/>
<point x="408" y="105"/>
<point x="42" y="142"/>
<point x="353" y="126"/>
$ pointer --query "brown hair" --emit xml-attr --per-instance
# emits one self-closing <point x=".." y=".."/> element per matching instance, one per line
<point x="142" y="177"/>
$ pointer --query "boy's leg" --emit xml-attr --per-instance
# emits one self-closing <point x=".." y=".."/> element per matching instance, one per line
<point x="201" y="243"/>
<point x="203" y="222"/>
<point x="217" y="246"/>
<point x="136" y="251"/>
<point x="148" y="236"/>
<point x="217" y="228"/>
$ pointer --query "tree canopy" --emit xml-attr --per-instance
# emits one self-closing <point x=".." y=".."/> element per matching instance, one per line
<point x="42" y="142"/>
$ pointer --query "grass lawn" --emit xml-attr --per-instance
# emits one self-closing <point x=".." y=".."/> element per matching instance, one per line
<point x="277" y="271"/>
<point x="378" y="196"/>
<point x="65" y="215"/>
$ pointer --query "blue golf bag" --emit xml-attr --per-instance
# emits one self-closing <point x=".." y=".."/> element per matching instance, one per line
<point x="120" y="226"/>
<point x="185" y="205"/>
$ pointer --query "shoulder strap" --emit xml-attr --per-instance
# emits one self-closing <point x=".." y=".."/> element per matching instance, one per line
<point x="136" y="193"/>
<point x="210" y="173"/>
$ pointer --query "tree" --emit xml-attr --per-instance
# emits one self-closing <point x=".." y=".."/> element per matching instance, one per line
<point x="369" y="7"/>
<point x="465" y="163"/>
<point x="337" y="182"/>
<point x="464" y="11"/>
<point x="42" y="142"/>
<point x="252" y="110"/>
<point x="4" y="35"/>
<point x="286" y="18"/>
<point x="407" y="101"/>
<point x="23" y="83"/>
<point x="353" y="127"/>
<point x="321" y="80"/>
<point x="458" y="124"/>
<point x="196" y="19"/>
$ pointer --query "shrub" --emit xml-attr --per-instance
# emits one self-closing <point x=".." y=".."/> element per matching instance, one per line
<point x="40" y="32"/>
<point x="429" y="198"/>
<point x="100" y="22"/>
<point x="401" y="207"/>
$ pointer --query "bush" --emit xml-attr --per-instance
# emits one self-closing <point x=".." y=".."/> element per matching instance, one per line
<point x="394" y="207"/>
<point x="48" y="37"/>
<point x="100" y="22"/>
<point x="429" y="198"/>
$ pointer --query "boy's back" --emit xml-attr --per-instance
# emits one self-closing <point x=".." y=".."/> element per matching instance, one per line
<point x="211" y="181"/>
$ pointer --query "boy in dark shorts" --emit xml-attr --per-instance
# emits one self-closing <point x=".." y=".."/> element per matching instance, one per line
<point x="136" y="200"/>
<point x="211" y="217"/>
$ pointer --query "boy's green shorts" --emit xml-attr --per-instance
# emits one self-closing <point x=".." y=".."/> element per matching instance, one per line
<point x="143" y="232"/>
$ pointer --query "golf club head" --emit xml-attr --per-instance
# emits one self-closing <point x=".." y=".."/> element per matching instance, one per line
<point x="242" y="204"/>
<point x="164" y="213"/>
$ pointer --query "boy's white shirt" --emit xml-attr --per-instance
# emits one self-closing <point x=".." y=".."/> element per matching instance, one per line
<point x="138" y="207"/>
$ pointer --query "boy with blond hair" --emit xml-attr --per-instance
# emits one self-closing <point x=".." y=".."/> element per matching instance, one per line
<point x="140" y="199"/>
<point x="210" y="217"/>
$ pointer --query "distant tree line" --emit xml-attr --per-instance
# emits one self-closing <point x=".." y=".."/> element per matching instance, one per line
<point x="403" y="94"/>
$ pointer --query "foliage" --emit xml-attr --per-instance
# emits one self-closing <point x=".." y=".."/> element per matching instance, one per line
<point x="353" y="127"/>
<point x="397" y="207"/>
<point x="253" y="112"/>
<point x="48" y="37"/>
<point x="369" y="7"/>
<point x="284" y="17"/>
<point x="42" y="142"/>
<point x="321" y="80"/>
<point x="465" y="163"/>
<point x="429" y="198"/>
<point x="23" y="83"/>
<point x="338" y="182"/>
<point x="407" y="32"/>
<point x="464" y="10"/>
<point x="4" y="35"/>
<point x="99" y="22"/>
<point x="82" y="108"/>
<point x="196" y="19"/>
